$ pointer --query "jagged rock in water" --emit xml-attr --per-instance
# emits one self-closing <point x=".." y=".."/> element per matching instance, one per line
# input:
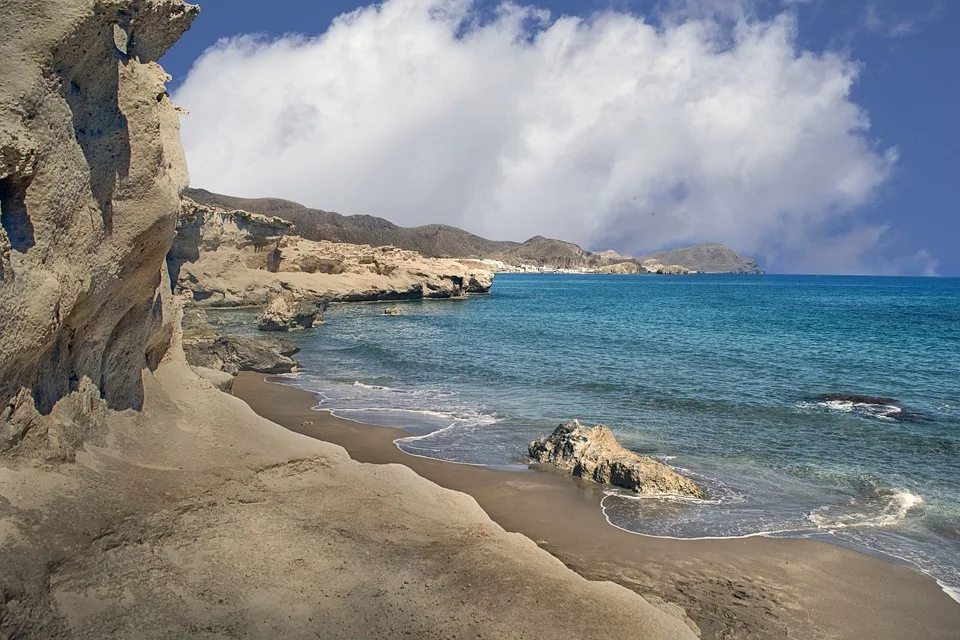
<point x="392" y="311"/>
<point x="204" y="348"/>
<point x="234" y="354"/>
<point x="287" y="313"/>
<point x="596" y="455"/>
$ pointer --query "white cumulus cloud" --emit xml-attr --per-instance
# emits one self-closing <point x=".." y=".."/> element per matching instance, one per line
<point x="613" y="131"/>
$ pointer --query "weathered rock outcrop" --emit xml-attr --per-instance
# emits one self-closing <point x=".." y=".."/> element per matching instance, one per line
<point x="90" y="173"/>
<point x="204" y="348"/>
<point x="236" y="258"/>
<point x="627" y="268"/>
<point x="288" y="313"/>
<point x="596" y="455"/>
<point x="653" y="266"/>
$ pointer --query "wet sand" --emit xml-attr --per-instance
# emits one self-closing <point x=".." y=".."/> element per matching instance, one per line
<point x="745" y="588"/>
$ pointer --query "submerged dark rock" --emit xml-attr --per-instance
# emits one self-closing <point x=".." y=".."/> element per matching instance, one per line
<point x="857" y="399"/>
<point x="878" y="407"/>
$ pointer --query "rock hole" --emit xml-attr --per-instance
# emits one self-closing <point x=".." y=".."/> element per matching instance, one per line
<point x="13" y="214"/>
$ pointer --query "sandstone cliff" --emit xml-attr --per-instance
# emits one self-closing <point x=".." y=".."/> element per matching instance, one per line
<point x="136" y="499"/>
<point x="236" y="258"/>
<point x="90" y="173"/>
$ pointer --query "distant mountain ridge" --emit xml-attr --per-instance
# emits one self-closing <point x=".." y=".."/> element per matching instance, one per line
<point x="444" y="241"/>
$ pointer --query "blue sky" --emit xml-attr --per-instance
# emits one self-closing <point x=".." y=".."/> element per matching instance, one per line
<point x="906" y="82"/>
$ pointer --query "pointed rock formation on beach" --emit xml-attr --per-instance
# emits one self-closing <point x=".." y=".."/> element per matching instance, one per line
<point x="596" y="455"/>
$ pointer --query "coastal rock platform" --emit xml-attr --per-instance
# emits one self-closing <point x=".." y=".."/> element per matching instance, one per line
<point x="233" y="258"/>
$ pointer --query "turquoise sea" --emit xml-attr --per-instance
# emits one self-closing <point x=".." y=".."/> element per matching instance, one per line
<point x="727" y="378"/>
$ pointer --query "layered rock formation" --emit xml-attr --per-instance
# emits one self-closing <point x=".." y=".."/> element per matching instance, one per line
<point x="136" y="499"/>
<point x="596" y="455"/>
<point x="655" y="266"/>
<point x="288" y="313"/>
<point x="236" y="258"/>
<point x="623" y="268"/>
<point x="205" y="348"/>
<point x="90" y="173"/>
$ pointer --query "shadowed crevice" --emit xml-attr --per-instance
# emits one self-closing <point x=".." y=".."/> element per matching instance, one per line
<point x="13" y="213"/>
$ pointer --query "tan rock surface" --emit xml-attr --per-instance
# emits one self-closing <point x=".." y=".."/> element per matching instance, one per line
<point x="596" y="455"/>
<point x="288" y="313"/>
<point x="653" y="266"/>
<point x="622" y="268"/>
<point x="236" y="258"/>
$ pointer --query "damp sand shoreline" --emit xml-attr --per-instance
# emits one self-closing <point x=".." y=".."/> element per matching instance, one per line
<point x="753" y="587"/>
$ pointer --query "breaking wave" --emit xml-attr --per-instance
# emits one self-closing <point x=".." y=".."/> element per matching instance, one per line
<point x="885" y="509"/>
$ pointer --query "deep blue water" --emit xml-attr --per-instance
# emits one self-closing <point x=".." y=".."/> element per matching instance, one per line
<point x="717" y="375"/>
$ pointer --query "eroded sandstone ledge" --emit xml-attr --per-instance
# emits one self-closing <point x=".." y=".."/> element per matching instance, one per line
<point x="235" y="258"/>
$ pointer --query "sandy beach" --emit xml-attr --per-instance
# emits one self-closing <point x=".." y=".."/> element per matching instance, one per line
<point x="741" y="588"/>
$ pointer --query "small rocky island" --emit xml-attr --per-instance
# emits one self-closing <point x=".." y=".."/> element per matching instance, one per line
<point x="596" y="455"/>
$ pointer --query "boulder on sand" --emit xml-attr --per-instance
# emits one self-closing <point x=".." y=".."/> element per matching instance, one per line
<point x="596" y="455"/>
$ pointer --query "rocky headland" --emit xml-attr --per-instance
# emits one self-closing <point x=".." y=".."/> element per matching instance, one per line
<point x="705" y="258"/>
<point x="595" y="454"/>
<point x="444" y="241"/>
<point x="234" y="258"/>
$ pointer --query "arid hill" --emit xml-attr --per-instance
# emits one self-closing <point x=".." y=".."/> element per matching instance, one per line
<point x="444" y="241"/>
<point x="432" y="240"/>
<point x="707" y="258"/>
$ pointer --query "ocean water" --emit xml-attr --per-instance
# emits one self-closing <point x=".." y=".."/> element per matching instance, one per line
<point x="726" y="378"/>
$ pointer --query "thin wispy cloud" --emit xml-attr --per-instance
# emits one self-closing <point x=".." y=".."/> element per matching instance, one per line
<point x="614" y="131"/>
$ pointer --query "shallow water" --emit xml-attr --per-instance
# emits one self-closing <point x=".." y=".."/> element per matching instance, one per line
<point x="720" y="376"/>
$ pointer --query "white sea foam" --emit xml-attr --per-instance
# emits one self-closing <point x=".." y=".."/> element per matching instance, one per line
<point x="361" y="385"/>
<point x="445" y="429"/>
<point x="608" y="494"/>
<point x="879" y="411"/>
<point x="898" y="507"/>
<point x="953" y="592"/>
<point x="422" y="412"/>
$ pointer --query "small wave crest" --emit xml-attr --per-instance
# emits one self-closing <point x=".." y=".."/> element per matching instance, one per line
<point x="880" y="408"/>
<point x="880" y="411"/>
<point x="884" y="509"/>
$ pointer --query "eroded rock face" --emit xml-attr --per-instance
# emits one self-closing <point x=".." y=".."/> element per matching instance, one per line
<point x="91" y="169"/>
<point x="288" y="313"/>
<point x="204" y="348"/>
<point x="596" y="455"/>
<point x="235" y="258"/>
<point x="665" y="269"/>
<point x="623" y="268"/>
